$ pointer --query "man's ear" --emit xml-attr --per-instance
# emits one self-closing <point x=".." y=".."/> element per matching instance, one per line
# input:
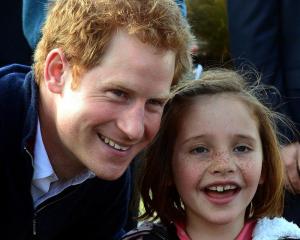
<point x="55" y="65"/>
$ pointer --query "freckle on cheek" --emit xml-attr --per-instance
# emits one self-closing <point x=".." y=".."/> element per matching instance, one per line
<point x="246" y="166"/>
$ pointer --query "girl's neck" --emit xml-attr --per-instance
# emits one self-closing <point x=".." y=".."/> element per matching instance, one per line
<point x="211" y="231"/>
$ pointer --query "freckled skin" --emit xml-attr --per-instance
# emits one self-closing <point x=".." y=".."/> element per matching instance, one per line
<point x="218" y="142"/>
<point x="222" y="159"/>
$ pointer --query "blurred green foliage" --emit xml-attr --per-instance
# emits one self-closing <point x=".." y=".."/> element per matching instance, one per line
<point x="208" y="19"/>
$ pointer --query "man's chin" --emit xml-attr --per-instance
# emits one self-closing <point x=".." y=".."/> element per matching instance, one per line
<point x="112" y="174"/>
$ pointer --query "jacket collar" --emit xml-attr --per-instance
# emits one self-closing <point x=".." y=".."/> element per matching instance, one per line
<point x="31" y="95"/>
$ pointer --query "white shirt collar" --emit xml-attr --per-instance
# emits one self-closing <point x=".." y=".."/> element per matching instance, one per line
<point x="44" y="175"/>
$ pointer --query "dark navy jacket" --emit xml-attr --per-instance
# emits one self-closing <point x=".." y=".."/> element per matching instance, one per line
<point x="95" y="209"/>
<point x="266" y="34"/>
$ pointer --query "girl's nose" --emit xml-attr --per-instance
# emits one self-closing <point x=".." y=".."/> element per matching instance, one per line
<point x="222" y="163"/>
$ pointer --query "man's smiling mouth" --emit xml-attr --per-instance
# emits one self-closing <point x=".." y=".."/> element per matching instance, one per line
<point x="112" y="144"/>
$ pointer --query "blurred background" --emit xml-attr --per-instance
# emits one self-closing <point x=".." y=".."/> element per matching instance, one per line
<point x="208" y="19"/>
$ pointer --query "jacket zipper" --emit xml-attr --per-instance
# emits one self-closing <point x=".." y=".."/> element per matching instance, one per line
<point x="45" y="206"/>
<point x="30" y="155"/>
<point x="34" y="220"/>
<point x="34" y="217"/>
<point x="34" y="225"/>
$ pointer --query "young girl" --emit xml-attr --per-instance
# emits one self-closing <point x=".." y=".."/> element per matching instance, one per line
<point x="214" y="171"/>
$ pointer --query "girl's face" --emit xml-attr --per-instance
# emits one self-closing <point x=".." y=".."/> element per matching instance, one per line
<point x="217" y="160"/>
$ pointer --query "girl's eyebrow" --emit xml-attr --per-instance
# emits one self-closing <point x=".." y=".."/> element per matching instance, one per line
<point x="247" y="137"/>
<point x="197" y="137"/>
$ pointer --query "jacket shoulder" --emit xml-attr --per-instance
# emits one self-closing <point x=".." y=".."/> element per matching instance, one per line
<point x="16" y="95"/>
<point x="12" y="78"/>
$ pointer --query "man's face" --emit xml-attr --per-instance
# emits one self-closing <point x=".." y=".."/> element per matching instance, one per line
<point x="116" y="110"/>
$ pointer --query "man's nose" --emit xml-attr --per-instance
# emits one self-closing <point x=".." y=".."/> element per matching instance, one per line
<point x="131" y="121"/>
<point x="222" y="163"/>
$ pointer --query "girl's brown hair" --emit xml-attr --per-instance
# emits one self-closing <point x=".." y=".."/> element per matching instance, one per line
<point x="157" y="189"/>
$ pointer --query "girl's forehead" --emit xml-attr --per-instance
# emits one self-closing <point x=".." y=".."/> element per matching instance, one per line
<point x="249" y="104"/>
<point x="218" y="111"/>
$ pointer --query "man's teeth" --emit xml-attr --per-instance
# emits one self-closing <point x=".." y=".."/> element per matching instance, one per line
<point x="222" y="188"/>
<point x="113" y="144"/>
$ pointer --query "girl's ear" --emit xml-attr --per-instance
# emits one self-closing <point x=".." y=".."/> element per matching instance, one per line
<point x="55" y="66"/>
<point x="170" y="182"/>
<point x="262" y="177"/>
<point x="261" y="180"/>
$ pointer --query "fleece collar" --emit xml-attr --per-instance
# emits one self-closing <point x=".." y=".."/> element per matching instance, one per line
<point x="275" y="228"/>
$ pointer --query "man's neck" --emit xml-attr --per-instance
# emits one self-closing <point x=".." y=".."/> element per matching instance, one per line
<point x="65" y="165"/>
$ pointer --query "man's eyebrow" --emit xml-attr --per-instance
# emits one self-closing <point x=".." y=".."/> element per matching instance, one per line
<point x="119" y="87"/>
<point x="164" y="97"/>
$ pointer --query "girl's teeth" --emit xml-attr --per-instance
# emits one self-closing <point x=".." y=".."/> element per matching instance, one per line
<point x="222" y="188"/>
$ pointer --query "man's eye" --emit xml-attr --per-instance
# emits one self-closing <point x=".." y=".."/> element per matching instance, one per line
<point x="242" y="148"/>
<point x="200" y="149"/>
<point x="118" y="93"/>
<point x="156" y="102"/>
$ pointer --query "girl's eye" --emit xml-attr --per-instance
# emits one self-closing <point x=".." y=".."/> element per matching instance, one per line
<point x="242" y="148"/>
<point x="199" y="150"/>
